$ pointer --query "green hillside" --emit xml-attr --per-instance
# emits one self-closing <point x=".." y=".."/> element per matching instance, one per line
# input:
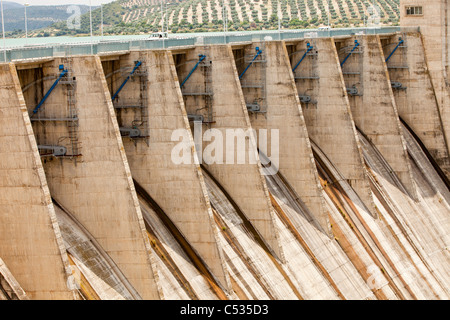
<point x="38" y="17"/>
<point x="144" y="16"/>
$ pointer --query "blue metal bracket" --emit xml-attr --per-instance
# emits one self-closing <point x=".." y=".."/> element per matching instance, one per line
<point x="62" y="74"/>
<point x="348" y="56"/>
<point x="398" y="45"/>
<point x="258" y="52"/>
<point x="309" y="47"/>
<point x="138" y="64"/>
<point x="201" y="57"/>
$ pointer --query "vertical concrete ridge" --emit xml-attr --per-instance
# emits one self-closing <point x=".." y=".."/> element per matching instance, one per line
<point x="273" y="237"/>
<point x="439" y="154"/>
<point x="224" y="277"/>
<point x="126" y="167"/>
<point x="12" y="282"/>
<point x="374" y="108"/>
<point x="178" y="188"/>
<point x="330" y="121"/>
<point x="97" y="188"/>
<point x="406" y="174"/>
<point x="362" y="184"/>
<point x="30" y="239"/>
<point x="43" y="179"/>
<point x="284" y="113"/>
<point x="244" y="182"/>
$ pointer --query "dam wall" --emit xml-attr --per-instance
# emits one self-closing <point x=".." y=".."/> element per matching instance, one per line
<point x="31" y="246"/>
<point x="130" y="164"/>
<point x="92" y="180"/>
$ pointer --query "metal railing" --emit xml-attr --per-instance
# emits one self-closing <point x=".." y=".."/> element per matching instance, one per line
<point x="180" y="40"/>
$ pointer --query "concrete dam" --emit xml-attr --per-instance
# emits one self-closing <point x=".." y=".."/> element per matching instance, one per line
<point x="121" y="176"/>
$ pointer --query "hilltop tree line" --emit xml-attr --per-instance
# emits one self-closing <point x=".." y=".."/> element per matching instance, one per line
<point x="139" y="16"/>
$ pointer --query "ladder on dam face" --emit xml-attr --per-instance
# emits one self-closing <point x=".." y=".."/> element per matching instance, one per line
<point x="303" y="74"/>
<point x="72" y="111"/>
<point x="69" y="146"/>
<point x="204" y="113"/>
<point x="258" y="87"/>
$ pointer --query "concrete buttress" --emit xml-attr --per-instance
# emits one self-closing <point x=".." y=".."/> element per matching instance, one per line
<point x="328" y="115"/>
<point x="270" y="82"/>
<point x="214" y="93"/>
<point x="178" y="188"/>
<point x="31" y="245"/>
<point x="415" y="94"/>
<point x="373" y="104"/>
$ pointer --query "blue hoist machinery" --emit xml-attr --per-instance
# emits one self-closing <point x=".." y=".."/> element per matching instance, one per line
<point x="47" y="150"/>
<point x="128" y="132"/>
<point x="137" y="65"/>
<point x="351" y="52"/>
<point x="195" y="117"/>
<point x="401" y="41"/>
<point x="395" y="84"/>
<point x="63" y="72"/>
<point x="258" y="53"/>
<point x="309" y="48"/>
<point x="201" y="57"/>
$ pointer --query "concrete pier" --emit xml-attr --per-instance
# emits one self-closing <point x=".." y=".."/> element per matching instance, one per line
<point x="269" y="82"/>
<point x="93" y="180"/>
<point x="415" y="95"/>
<point x="178" y="188"/>
<point x="372" y="102"/>
<point x="328" y="115"/>
<point x="30" y="241"/>
<point x="214" y="92"/>
<point x="10" y="289"/>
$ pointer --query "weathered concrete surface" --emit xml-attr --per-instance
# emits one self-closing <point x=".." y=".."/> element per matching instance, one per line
<point x="419" y="226"/>
<point x="97" y="188"/>
<point x="180" y="277"/>
<point x="284" y="114"/>
<point x="94" y="266"/>
<point x="374" y="109"/>
<point x="329" y="118"/>
<point x="10" y="285"/>
<point x="417" y="104"/>
<point x="244" y="180"/>
<point x="255" y="273"/>
<point x="30" y="240"/>
<point x="178" y="188"/>
<point x="435" y="28"/>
